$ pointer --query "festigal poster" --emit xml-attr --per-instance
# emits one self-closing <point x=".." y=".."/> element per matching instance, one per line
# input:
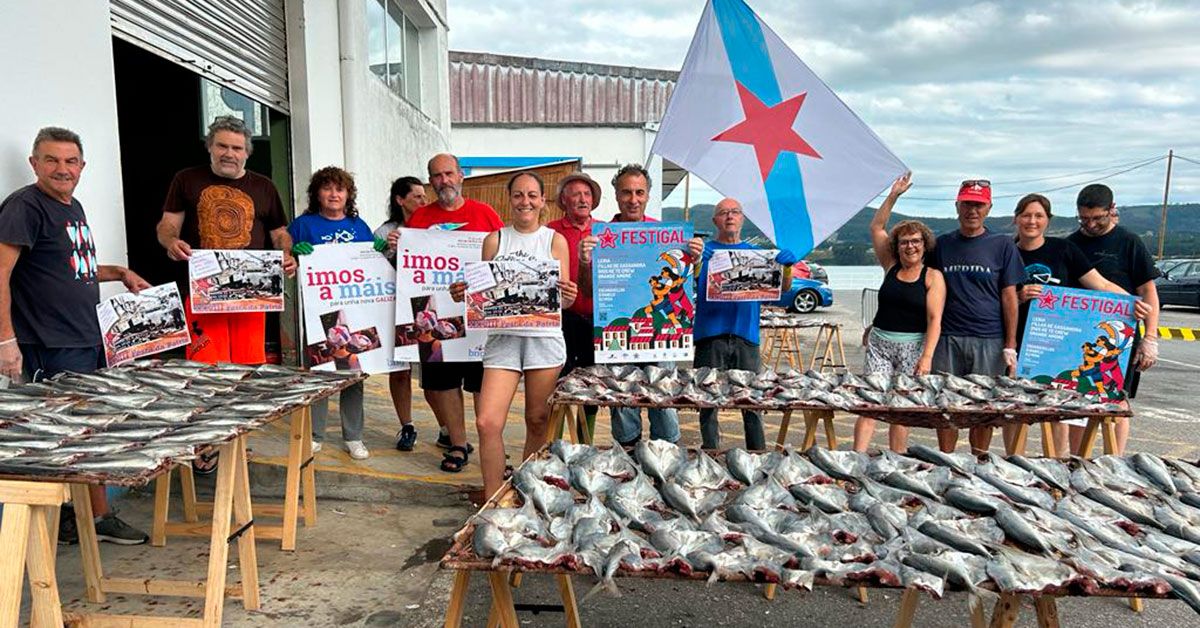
<point x="643" y="292"/>
<point x="1079" y="339"/>
<point x="349" y="294"/>
<point x="430" y="326"/>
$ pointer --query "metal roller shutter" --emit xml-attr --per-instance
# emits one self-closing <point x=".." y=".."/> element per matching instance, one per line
<point x="241" y="44"/>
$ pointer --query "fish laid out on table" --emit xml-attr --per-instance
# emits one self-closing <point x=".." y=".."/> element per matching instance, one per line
<point x="707" y="387"/>
<point x="928" y="520"/>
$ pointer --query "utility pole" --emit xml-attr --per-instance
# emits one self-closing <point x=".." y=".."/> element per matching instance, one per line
<point x="687" y="188"/>
<point x="1162" y="225"/>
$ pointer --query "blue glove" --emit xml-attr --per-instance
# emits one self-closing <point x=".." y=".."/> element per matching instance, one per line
<point x="707" y="254"/>
<point x="786" y="258"/>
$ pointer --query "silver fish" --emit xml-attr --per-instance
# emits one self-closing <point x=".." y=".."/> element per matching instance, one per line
<point x="660" y="459"/>
<point x="1154" y="470"/>
<point x="843" y="465"/>
<point x="704" y="472"/>
<point x="694" y="502"/>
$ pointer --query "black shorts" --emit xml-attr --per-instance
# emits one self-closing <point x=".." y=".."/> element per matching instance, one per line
<point x="577" y="332"/>
<point x="452" y="375"/>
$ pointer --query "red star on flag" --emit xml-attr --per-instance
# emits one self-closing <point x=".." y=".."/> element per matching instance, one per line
<point x="608" y="239"/>
<point x="768" y="129"/>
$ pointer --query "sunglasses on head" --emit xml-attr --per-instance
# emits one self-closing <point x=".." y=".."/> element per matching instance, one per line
<point x="982" y="183"/>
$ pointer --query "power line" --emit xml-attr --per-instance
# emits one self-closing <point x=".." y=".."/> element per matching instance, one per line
<point x="1057" y="176"/>
<point x="1189" y="160"/>
<point x="1061" y="187"/>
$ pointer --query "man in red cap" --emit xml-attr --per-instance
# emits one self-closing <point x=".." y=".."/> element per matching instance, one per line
<point x="979" y="323"/>
<point x="578" y="195"/>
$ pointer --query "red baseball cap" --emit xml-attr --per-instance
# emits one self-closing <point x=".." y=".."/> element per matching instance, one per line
<point x="975" y="191"/>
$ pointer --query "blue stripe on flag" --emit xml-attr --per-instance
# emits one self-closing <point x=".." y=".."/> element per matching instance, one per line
<point x="746" y="48"/>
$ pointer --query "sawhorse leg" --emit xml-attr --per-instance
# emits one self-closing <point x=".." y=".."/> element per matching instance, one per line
<point x="502" y="601"/>
<point x="786" y="421"/>
<point x="811" y="418"/>
<point x="1007" y="609"/>
<point x="908" y="608"/>
<point x="1049" y="447"/>
<point x="1047" y="611"/>
<point x="458" y="598"/>
<point x="1105" y="425"/>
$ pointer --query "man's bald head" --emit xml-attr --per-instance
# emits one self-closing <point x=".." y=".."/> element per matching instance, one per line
<point x="728" y="219"/>
<point x="446" y="177"/>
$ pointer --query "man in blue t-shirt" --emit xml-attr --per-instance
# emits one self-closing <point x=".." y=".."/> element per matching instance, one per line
<point x="726" y="332"/>
<point x="979" y="323"/>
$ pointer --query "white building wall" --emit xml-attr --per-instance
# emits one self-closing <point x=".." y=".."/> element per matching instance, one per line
<point x="604" y="149"/>
<point x="59" y="72"/>
<point x="385" y="136"/>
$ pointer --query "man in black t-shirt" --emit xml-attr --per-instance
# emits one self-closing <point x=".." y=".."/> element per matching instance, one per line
<point x="1123" y="259"/>
<point x="50" y="287"/>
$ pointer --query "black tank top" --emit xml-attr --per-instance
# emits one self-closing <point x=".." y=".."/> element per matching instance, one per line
<point x="901" y="304"/>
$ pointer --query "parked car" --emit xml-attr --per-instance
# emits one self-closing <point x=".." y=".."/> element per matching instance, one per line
<point x="805" y="269"/>
<point x="1167" y="264"/>
<point x="1180" y="284"/>
<point x="805" y="296"/>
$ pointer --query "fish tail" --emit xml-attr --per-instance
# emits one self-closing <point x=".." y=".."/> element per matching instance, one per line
<point x="604" y="585"/>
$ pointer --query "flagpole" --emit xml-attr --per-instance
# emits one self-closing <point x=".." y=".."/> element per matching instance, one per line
<point x="1162" y="227"/>
<point x="687" y="184"/>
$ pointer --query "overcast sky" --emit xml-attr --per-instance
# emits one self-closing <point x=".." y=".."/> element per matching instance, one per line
<point x="1010" y="91"/>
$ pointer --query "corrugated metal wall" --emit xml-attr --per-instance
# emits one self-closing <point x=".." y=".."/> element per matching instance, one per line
<point x="500" y="89"/>
<point x="241" y="44"/>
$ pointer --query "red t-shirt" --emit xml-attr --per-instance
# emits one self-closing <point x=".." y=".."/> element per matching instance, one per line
<point x="472" y="216"/>
<point x="574" y="235"/>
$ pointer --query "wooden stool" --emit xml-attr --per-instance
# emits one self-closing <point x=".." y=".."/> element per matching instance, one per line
<point x="301" y="477"/>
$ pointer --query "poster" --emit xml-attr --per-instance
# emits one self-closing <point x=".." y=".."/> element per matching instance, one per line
<point x="349" y="297"/>
<point x="1079" y="339"/>
<point x="643" y="292"/>
<point x="513" y="295"/>
<point x="137" y="325"/>
<point x="744" y="275"/>
<point x="236" y="281"/>
<point x="430" y="326"/>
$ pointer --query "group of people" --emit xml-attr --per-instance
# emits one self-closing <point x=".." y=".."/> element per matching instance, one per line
<point x="958" y="303"/>
<point x="954" y="303"/>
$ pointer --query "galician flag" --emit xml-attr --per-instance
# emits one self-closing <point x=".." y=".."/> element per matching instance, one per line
<point x="750" y="119"/>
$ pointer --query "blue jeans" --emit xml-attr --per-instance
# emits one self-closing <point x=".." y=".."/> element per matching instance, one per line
<point x="627" y="424"/>
<point x="729" y="352"/>
<point x="39" y="362"/>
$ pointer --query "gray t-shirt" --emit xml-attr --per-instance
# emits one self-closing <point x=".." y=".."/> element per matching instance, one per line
<point x="55" y="285"/>
<point x="976" y="270"/>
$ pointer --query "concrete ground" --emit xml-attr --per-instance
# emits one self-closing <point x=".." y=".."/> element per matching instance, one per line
<point x="384" y="523"/>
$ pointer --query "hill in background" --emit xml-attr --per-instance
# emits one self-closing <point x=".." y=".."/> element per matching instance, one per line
<point x="851" y="244"/>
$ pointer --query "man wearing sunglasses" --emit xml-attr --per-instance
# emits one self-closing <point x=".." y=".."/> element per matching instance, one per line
<point x="979" y="322"/>
<point x="1123" y="259"/>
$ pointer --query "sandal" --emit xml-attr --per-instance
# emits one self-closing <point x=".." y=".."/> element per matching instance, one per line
<point x="452" y="463"/>
<point x="206" y="463"/>
<point x="508" y="472"/>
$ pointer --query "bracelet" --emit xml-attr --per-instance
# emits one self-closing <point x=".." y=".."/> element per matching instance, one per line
<point x="8" y="342"/>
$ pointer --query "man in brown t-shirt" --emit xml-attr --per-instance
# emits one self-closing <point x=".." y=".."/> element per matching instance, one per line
<point x="223" y="206"/>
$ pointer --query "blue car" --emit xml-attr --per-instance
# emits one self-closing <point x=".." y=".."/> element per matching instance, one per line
<point x="805" y="296"/>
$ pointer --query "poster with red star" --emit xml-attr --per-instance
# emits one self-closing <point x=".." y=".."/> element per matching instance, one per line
<point x="643" y="292"/>
<point x="1079" y="339"/>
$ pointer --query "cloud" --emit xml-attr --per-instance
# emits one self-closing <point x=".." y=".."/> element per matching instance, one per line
<point x="1010" y="90"/>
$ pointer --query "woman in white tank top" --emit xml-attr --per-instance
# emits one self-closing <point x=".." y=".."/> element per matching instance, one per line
<point x="536" y="354"/>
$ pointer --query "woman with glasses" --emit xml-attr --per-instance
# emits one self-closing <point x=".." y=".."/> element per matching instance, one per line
<point x="908" y="323"/>
<point x="1056" y="262"/>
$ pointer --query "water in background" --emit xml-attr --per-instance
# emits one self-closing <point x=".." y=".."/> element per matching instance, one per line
<point x="854" y="277"/>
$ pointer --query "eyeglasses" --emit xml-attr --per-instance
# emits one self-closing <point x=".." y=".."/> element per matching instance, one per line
<point x="1098" y="218"/>
<point x="729" y="212"/>
<point x="912" y="243"/>
<point x="982" y="183"/>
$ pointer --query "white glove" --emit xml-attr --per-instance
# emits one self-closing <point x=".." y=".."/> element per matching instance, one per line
<point x="1010" y="358"/>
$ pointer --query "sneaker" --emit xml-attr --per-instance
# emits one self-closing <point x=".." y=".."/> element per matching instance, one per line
<point x="406" y="438"/>
<point x="68" y="534"/>
<point x="443" y="441"/>
<point x="357" y="449"/>
<point x="112" y="529"/>
<point x="316" y="446"/>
